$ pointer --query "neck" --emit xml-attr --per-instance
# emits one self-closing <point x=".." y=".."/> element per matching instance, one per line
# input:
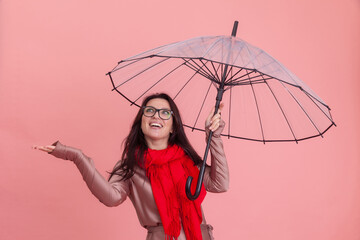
<point x="156" y="144"/>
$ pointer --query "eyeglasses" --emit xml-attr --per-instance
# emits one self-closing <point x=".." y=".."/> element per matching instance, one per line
<point x="164" y="114"/>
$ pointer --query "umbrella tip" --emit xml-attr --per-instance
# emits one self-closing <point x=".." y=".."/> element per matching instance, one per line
<point x="233" y="34"/>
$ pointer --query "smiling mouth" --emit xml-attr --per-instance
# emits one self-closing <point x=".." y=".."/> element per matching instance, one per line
<point x="156" y="125"/>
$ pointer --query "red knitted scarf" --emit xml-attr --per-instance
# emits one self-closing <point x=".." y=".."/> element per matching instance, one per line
<point x="168" y="170"/>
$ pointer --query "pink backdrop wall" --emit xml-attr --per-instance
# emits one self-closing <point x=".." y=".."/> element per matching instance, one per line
<point x="53" y="60"/>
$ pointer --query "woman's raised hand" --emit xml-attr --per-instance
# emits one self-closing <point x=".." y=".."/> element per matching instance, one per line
<point x="213" y="121"/>
<point x="48" y="148"/>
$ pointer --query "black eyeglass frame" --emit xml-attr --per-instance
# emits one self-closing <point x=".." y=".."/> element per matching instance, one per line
<point x="157" y="111"/>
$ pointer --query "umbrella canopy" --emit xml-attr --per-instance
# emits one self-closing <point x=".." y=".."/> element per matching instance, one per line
<point x="264" y="100"/>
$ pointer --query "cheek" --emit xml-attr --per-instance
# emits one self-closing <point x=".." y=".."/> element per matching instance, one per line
<point x="143" y="123"/>
<point x="171" y="126"/>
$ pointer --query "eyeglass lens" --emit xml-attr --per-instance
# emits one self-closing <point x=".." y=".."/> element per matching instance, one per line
<point x="164" y="114"/>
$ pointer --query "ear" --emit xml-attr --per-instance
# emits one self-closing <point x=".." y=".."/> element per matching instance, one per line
<point x="172" y="129"/>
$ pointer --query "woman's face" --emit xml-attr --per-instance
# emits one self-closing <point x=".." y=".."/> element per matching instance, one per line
<point x="157" y="130"/>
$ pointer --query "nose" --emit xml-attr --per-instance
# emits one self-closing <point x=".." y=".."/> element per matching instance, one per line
<point x="157" y="114"/>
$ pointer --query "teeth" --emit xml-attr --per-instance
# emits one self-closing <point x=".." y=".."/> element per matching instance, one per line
<point x="155" y="125"/>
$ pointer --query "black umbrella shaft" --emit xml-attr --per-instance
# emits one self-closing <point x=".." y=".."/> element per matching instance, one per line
<point x="218" y="101"/>
<point x="202" y="169"/>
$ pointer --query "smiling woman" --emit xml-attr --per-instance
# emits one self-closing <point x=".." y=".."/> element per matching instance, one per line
<point x="152" y="172"/>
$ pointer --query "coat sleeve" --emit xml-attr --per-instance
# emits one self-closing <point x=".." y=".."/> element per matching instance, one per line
<point x="110" y="193"/>
<point x="216" y="177"/>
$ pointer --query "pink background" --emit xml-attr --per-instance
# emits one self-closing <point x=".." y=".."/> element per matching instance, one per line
<point x="53" y="60"/>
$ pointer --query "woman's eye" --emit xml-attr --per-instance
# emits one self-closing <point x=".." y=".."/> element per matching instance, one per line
<point x="149" y="110"/>
<point x="165" y="112"/>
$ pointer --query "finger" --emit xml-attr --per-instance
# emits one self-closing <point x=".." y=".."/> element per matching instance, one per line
<point x="215" y="128"/>
<point x="218" y="113"/>
<point x="208" y="119"/>
<point x="44" y="148"/>
<point x="215" y="124"/>
<point x="50" y="147"/>
<point x="37" y="147"/>
<point x="212" y="117"/>
<point x="221" y="106"/>
<point x="216" y="117"/>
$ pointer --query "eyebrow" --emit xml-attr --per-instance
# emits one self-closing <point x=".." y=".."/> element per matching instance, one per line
<point x="159" y="108"/>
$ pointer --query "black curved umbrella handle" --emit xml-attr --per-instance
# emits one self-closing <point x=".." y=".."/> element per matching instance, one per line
<point x="201" y="175"/>
<point x="202" y="169"/>
<point x="220" y="92"/>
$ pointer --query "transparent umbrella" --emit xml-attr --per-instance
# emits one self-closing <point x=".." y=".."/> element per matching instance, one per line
<point x="264" y="101"/>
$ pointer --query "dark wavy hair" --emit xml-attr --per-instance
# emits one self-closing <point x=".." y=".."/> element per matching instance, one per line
<point x="135" y="144"/>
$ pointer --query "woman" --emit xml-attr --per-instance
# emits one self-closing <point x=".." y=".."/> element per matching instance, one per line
<point x="156" y="161"/>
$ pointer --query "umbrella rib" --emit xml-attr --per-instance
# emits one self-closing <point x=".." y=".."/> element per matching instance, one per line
<point x="239" y="51"/>
<point x="204" y="73"/>
<point x="245" y="75"/>
<point x="170" y="46"/>
<point x="216" y="70"/>
<point x="331" y="117"/>
<point x="182" y="88"/>
<point x="229" y="121"/>
<point x="236" y="81"/>
<point x="198" y="68"/>
<point x="228" y="73"/>
<point x="259" y="80"/>
<point x="296" y="83"/>
<point x="282" y="111"/>
<point x="202" y="105"/>
<point x="230" y="103"/>
<point x="160" y="80"/>
<point x="307" y="94"/>
<point x="128" y="64"/>
<point x="141" y="72"/>
<point x="258" y="111"/>
<point x="209" y="73"/>
<point x="253" y="81"/>
<point x="264" y="141"/>
<point x="301" y="108"/>
<point x="214" y="77"/>
<point x="221" y="70"/>
<point x="247" y="83"/>
<point x="211" y="47"/>
<point x="165" y="47"/>
<point x="252" y="57"/>
<point x="232" y="77"/>
<point x="112" y="82"/>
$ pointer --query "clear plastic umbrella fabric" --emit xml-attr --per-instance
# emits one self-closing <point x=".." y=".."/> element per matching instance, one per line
<point x="263" y="100"/>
